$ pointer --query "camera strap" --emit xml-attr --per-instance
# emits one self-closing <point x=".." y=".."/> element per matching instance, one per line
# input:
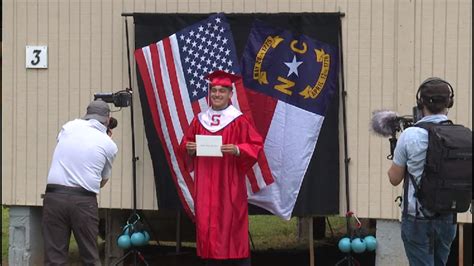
<point x="427" y="215"/>
<point x="405" y="194"/>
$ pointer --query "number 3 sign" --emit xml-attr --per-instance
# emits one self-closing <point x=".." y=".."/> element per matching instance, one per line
<point x="36" y="56"/>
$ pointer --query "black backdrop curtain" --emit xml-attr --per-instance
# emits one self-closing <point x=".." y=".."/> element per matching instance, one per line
<point x="319" y="193"/>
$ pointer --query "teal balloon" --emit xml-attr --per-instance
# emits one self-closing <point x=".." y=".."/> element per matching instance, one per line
<point x="124" y="242"/>
<point x="126" y="230"/>
<point x="137" y="239"/>
<point x="344" y="245"/>
<point x="147" y="237"/>
<point x="358" y="245"/>
<point x="370" y="242"/>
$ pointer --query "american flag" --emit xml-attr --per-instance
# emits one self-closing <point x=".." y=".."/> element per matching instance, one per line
<point x="173" y="72"/>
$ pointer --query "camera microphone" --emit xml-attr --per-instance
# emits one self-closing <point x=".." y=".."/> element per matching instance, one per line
<point x="385" y="122"/>
<point x="107" y="97"/>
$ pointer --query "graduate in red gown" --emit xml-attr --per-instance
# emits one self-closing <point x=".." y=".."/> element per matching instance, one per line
<point x="220" y="188"/>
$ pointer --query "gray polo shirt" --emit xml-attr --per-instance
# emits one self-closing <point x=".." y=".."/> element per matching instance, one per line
<point x="83" y="155"/>
<point x="410" y="152"/>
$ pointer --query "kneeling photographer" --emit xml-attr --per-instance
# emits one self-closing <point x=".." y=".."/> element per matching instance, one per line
<point x="427" y="236"/>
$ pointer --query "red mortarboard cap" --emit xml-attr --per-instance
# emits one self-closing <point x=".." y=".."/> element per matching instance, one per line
<point x="222" y="78"/>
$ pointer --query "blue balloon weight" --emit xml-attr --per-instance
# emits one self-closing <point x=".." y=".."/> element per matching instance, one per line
<point x="344" y="245"/>
<point x="358" y="245"/>
<point x="124" y="242"/>
<point x="138" y="239"/>
<point x="370" y="242"/>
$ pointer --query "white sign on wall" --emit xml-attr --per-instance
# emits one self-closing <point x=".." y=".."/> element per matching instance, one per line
<point x="36" y="56"/>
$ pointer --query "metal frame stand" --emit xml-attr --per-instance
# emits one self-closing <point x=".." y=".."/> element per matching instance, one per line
<point x="137" y="255"/>
<point x="349" y="258"/>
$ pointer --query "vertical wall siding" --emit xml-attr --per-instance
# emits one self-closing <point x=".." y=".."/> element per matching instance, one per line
<point x="8" y="62"/>
<point x="389" y="48"/>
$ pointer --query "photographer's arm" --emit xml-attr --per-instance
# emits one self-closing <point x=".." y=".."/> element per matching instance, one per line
<point x="396" y="174"/>
<point x="111" y="152"/>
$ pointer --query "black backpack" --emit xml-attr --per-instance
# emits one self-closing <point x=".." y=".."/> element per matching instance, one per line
<point x="446" y="183"/>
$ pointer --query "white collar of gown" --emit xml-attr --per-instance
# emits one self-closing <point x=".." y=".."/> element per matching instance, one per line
<point x="214" y="120"/>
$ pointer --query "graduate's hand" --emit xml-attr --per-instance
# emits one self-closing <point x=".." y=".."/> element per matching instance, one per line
<point x="191" y="148"/>
<point x="230" y="148"/>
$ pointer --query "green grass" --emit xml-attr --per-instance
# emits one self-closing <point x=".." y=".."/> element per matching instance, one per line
<point x="271" y="232"/>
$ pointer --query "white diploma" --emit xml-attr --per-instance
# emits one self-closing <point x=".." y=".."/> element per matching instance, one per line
<point x="208" y="145"/>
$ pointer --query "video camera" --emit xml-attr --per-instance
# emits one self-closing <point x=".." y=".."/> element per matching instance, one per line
<point x="113" y="123"/>
<point x="387" y="123"/>
<point x="119" y="99"/>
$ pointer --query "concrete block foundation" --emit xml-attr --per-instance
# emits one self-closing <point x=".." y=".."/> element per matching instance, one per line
<point x="25" y="238"/>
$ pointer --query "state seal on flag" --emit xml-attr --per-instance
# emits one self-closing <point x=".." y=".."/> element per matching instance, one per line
<point x="291" y="67"/>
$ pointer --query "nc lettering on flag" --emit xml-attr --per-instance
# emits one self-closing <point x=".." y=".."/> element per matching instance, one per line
<point x="173" y="72"/>
<point x="292" y="79"/>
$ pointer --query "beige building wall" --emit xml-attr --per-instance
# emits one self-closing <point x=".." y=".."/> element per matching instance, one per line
<point x="389" y="48"/>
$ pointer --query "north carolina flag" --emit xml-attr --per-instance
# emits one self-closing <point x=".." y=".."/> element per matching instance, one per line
<point x="173" y="71"/>
<point x="292" y="80"/>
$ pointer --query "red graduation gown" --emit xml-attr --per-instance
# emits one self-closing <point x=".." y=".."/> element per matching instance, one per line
<point x="221" y="208"/>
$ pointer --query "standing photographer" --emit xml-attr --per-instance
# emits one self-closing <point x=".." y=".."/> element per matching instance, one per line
<point x="81" y="165"/>
<point x="427" y="237"/>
